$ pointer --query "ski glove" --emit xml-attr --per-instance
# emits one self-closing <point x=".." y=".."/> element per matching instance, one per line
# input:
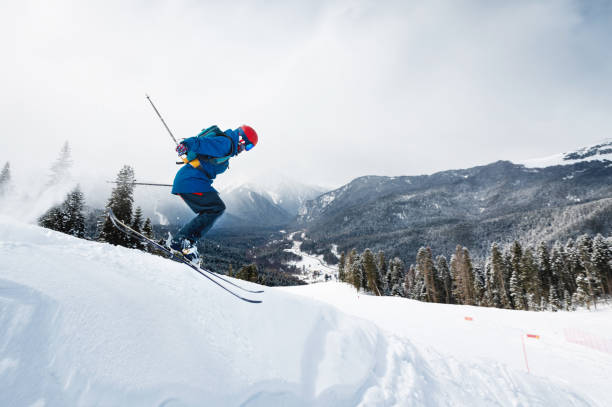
<point x="181" y="149"/>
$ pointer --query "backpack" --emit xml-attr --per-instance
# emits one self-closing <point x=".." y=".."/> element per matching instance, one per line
<point x="211" y="132"/>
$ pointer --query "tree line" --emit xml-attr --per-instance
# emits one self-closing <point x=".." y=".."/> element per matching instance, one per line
<point x="538" y="278"/>
<point x="68" y="217"/>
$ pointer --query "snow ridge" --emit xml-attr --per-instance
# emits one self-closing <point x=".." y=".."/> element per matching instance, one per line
<point x="86" y="323"/>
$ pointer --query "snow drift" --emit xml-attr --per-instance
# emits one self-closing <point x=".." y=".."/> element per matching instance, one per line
<point x="85" y="323"/>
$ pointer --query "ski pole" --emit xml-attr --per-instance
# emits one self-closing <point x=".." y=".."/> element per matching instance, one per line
<point x="141" y="183"/>
<point x="195" y="163"/>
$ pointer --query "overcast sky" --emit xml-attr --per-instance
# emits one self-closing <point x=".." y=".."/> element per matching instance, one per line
<point x="335" y="89"/>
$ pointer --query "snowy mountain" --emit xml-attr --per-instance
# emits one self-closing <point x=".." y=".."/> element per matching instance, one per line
<point x="271" y="201"/>
<point x="473" y="207"/>
<point x="597" y="152"/>
<point x="86" y="323"/>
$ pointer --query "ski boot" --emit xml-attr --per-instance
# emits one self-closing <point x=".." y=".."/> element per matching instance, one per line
<point x="186" y="249"/>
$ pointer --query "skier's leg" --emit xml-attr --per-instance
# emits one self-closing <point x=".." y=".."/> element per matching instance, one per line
<point x="209" y="207"/>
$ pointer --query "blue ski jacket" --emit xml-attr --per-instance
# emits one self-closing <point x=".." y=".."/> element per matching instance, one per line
<point x="189" y="179"/>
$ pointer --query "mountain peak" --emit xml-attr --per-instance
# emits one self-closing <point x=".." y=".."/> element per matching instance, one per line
<point x="601" y="150"/>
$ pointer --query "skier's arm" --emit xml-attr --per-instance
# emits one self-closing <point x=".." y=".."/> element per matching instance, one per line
<point x="214" y="147"/>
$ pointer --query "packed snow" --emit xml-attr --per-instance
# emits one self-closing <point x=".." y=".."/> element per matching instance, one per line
<point x="86" y="323"/>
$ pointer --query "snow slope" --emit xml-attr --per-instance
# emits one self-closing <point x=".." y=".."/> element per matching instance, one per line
<point x="85" y="323"/>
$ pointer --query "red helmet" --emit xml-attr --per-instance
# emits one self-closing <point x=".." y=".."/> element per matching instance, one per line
<point x="250" y="135"/>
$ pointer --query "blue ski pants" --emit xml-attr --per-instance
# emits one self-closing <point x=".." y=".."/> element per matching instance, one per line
<point x="208" y="206"/>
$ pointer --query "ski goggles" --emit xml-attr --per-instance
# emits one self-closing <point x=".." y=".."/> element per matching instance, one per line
<point x="244" y="144"/>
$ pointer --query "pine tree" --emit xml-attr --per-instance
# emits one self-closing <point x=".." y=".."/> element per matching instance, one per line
<point x="559" y="274"/>
<point x="553" y="299"/>
<point x="425" y="266"/>
<point x="567" y="301"/>
<point x="530" y="278"/>
<point x="381" y="264"/>
<point x="248" y="273"/>
<point x="137" y="226"/>
<point x="479" y="285"/>
<point x="499" y="291"/>
<point x="573" y="265"/>
<point x="544" y="267"/>
<point x="463" y="276"/>
<point x="601" y="260"/>
<point x="445" y="278"/>
<point x="584" y="247"/>
<point x="373" y="280"/>
<point x="516" y="291"/>
<point x="396" y="280"/>
<point x="61" y="167"/>
<point x="72" y="208"/>
<point x="67" y="217"/>
<point x="230" y="271"/>
<point x="356" y="271"/>
<point x="419" y="292"/>
<point x="5" y="178"/>
<point x="341" y="272"/>
<point x="121" y="201"/>
<point x="147" y="229"/>
<point x="53" y="219"/>
<point x="581" y="297"/>
<point x="409" y="281"/>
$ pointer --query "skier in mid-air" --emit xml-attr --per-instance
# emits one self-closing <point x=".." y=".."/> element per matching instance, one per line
<point x="212" y="148"/>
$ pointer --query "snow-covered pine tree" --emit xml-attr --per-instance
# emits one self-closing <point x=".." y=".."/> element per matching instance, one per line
<point x="74" y="219"/>
<point x="373" y="280"/>
<point x="558" y="269"/>
<point x="67" y="217"/>
<point x="553" y="299"/>
<point x="573" y="266"/>
<point x="341" y="272"/>
<point x="499" y="290"/>
<point x="409" y="281"/>
<point x="479" y="285"/>
<point x="356" y="270"/>
<point x="425" y="266"/>
<point x="53" y="219"/>
<point x="544" y="268"/>
<point x="5" y="178"/>
<point x="381" y="264"/>
<point x="601" y="259"/>
<point x="419" y="292"/>
<point x="517" y="291"/>
<point x="397" y="277"/>
<point x="61" y="167"/>
<point x="137" y="226"/>
<point x="581" y="297"/>
<point x="121" y="201"/>
<point x="530" y="278"/>
<point x="350" y="259"/>
<point x="147" y="229"/>
<point x="584" y="247"/>
<point x="445" y="278"/>
<point x="567" y="301"/>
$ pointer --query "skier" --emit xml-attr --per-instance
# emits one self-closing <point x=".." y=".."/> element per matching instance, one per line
<point x="212" y="148"/>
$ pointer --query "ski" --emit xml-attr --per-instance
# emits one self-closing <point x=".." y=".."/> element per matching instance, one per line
<point x="174" y="257"/>
<point x="205" y="273"/>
